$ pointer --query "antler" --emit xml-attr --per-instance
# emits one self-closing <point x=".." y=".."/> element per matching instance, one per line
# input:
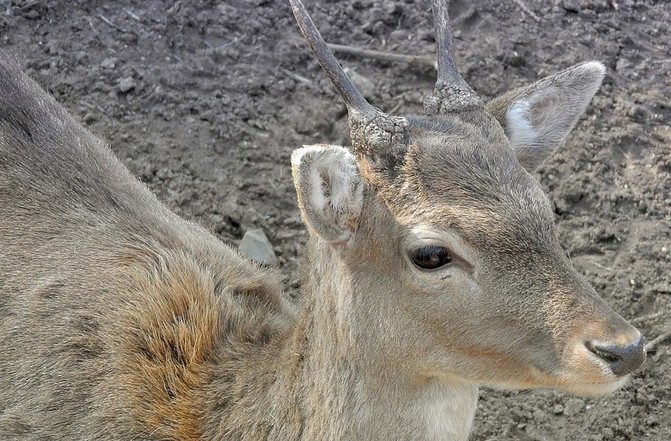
<point x="451" y="93"/>
<point x="447" y="67"/>
<point x="370" y="129"/>
<point x="353" y="99"/>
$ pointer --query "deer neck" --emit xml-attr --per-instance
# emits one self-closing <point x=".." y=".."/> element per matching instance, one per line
<point x="351" y="391"/>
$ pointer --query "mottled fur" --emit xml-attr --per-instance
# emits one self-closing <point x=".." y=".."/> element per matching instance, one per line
<point x="114" y="313"/>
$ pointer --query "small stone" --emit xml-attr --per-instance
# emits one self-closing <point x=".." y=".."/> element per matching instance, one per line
<point x="608" y="433"/>
<point x="622" y="64"/>
<point x="80" y="55"/>
<point x="90" y="118"/>
<point x="665" y="250"/>
<point x="109" y="63"/>
<point x="32" y="14"/>
<point x="256" y="246"/>
<point x="127" y="84"/>
<point x="571" y="5"/>
<point x="587" y="14"/>
<point x="539" y="416"/>
<point x="574" y="406"/>
<point x="558" y="409"/>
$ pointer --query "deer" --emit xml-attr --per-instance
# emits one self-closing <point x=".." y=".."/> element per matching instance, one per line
<point x="432" y="269"/>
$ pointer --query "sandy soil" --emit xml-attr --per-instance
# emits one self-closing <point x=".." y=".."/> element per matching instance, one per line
<point x="204" y="100"/>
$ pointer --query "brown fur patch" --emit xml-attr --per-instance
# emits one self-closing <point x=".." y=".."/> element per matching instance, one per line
<point x="169" y="329"/>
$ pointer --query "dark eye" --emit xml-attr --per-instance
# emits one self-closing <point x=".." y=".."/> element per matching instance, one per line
<point x="430" y="257"/>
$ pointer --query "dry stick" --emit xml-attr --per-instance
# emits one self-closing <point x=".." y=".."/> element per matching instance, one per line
<point x="296" y="77"/>
<point x="651" y="345"/>
<point x="132" y="15"/>
<point x="526" y="10"/>
<point x="424" y="60"/>
<point x="93" y="28"/>
<point x="602" y="266"/>
<point x="646" y="318"/>
<point x="395" y="109"/>
<point x="91" y="106"/>
<point x="109" y="23"/>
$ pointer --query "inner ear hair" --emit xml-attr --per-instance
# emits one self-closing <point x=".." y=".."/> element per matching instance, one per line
<point x="329" y="190"/>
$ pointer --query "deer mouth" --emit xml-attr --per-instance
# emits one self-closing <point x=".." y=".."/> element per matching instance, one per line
<point x="596" y="389"/>
<point x="590" y="381"/>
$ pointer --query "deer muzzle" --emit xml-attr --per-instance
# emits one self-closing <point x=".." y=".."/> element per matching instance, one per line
<point x="622" y="359"/>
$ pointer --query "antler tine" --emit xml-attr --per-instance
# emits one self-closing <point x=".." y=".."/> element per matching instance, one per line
<point x="448" y="74"/>
<point x="452" y="94"/>
<point x="353" y="99"/>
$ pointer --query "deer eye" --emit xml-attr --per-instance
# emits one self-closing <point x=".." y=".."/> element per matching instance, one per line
<point x="430" y="257"/>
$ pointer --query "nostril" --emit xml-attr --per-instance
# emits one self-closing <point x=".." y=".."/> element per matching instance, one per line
<point x="622" y="360"/>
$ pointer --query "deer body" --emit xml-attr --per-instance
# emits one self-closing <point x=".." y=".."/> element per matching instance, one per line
<point x="432" y="268"/>
<point x="119" y="320"/>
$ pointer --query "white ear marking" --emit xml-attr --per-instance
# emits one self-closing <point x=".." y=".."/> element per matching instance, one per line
<point x="520" y="129"/>
<point x="537" y="118"/>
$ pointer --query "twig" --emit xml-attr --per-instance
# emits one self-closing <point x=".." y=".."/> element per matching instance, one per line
<point x="233" y="41"/>
<point x="651" y="344"/>
<point x="93" y="28"/>
<point x="132" y="15"/>
<point x="272" y="184"/>
<point x="109" y="23"/>
<point x="526" y="10"/>
<point x="602" y="266"/>
<point x="395" y="109"/>
<point x="296" y="77"/>
<point x="91" y="106"/>
<point x="424" y="60"/>
<point x="646" y="318"/>
<point x="209" y="45"/>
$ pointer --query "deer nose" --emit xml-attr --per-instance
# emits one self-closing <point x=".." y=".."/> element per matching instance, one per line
<point x="622" y="360"/>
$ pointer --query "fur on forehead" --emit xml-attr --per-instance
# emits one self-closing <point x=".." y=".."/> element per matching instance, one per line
<point x="433" y="134"/>
<point x="458" y="176"/>
<point x="470" y="150"/>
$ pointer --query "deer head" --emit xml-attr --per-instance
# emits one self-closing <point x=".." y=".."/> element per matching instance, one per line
<point x="452" y="242"/>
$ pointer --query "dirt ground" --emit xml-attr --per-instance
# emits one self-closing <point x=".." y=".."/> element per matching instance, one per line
<point x="204" y="100"/>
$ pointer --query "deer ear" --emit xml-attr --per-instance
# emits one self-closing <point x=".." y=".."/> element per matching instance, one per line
<point x="538" y="117"/>
<point x="330" y="191"/>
